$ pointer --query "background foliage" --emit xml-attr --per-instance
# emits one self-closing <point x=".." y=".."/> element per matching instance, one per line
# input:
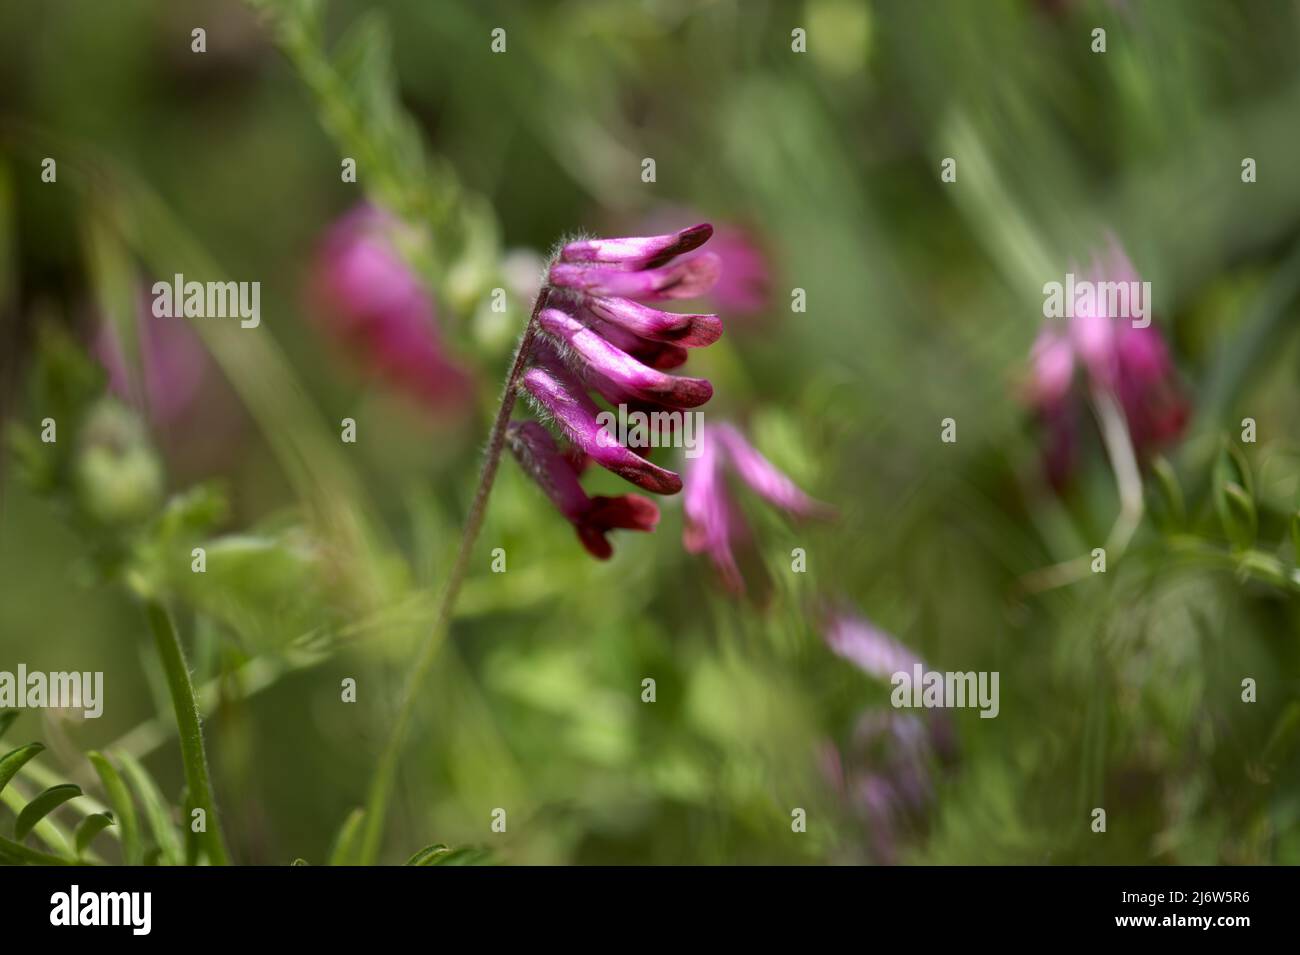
<point x="1120" y="690"/>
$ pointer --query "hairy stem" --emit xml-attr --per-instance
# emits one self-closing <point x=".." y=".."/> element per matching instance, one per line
<point x="187" y="723"/>
<point x="381" y="786"/>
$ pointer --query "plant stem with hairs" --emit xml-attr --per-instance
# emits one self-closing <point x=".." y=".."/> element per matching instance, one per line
<point x="381" y="786"/>
<point x="187" y="722"/>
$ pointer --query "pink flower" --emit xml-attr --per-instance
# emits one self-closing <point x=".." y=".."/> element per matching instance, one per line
<point x="744" y="286"/>
<point x="869" y="648"/>
<point x="557" y="475"/>
<point x="886" y="773"/>
<point x="173" y="364"/>
<point x="367" y="298"/>
<point x="594" y="332"/>
<point x="714" y="524"/>
<point x="1094" y="350"/>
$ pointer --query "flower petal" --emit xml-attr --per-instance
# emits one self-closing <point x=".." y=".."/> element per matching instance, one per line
<point x="713" y="522"/>
<point x="660" y="355"/>
<point x="638" y="251"/>
<point x="559" y="395"/>
<point x="690" y="331"/>
<point x="763" y="477"/>
<point x="629" y="377"/>
<point x="626" y="512"/>
<point x="592" y="517"/>
<point x="541" y="459"/>
<point x="872" y="650"/>
<point x="686" y="279"/>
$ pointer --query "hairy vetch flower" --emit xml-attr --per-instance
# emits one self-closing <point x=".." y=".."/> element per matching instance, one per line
<point x="744" y="286"/>
<point x="885" y="774"/>
<point x="1107" y="353"/>
<point x="172" y="365"/>
<point x="865" y="645"/>
<point x="714" y="523"/>
<point x="595" y="333"/>
<point x="376" y="307"/>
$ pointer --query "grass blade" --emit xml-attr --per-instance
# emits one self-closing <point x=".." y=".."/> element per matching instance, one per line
<point x="120" y="799"/>
<point x="156" y="811"/>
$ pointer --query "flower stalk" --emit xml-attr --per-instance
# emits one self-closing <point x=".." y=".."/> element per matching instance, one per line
<point x="381" y="785"/>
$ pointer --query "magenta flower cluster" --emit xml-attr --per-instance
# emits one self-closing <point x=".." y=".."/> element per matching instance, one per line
<point x="596" y="334"/>
<point x="1129" y="363"/>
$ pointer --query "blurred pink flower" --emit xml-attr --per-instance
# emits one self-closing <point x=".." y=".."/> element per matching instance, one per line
<point x="173" y="364"/>
<point x="886" y="773"/>
<point x="714" y="524"/>
<point x="865" y="645"/>
<point x="365" y="296"/>
<point x="744" y="285"/>
<point x="1108" y="353"/>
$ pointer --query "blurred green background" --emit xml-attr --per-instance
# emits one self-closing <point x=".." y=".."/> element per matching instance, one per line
<point x="1120" y="690"/>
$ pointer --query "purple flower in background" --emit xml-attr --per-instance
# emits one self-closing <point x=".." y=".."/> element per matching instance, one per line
<point x="865" y="645"/>
<point x="714" y="524"/>
<point x="173" y="364"/>
<point x="594" y="333"/>
<point x="885" y="774"/>
<point x="369" y="300"/>
<point x="1108" y="353"/>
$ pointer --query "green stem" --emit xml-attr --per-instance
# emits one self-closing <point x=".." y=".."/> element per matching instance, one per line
<point x="381" y="786"/>
<point x="187" y="724"/>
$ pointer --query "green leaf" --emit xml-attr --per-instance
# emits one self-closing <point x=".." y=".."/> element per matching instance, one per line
<point x="1256" y="565"/>
<point x="439" y="854"/>
<point x="1168" y="507"/>
<point x="44" y="804"/>
<point x="6" y="719"/>
<point x="120" y="799"/>
<point x="156" y="811"/>
<point x="345" y="843"/>
<point x="1234" y="496"/>
<point x="90" y="827"/>
<point x="428" y="855"/>
<point x="1237" y="512"/>
<point x="11" y="762"/>
<point x="299" y="862"/>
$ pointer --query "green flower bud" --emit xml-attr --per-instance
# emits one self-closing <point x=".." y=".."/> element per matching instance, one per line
<point x="119" y="477"/>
